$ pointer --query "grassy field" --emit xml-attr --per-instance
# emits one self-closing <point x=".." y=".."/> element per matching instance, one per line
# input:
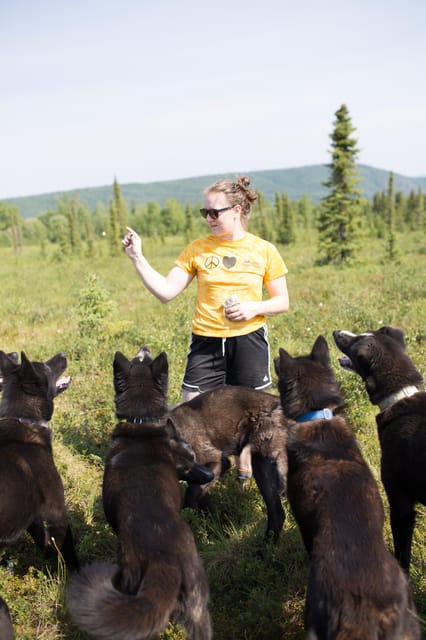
<point x="89" y="308"/>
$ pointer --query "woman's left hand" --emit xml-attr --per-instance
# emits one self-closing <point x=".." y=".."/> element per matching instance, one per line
<point x="241" y="311"/>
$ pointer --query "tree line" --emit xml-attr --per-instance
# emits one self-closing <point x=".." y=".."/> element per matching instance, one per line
<point x="337" y="224"/>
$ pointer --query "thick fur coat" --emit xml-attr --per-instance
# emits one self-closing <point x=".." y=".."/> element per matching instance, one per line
<point x="6" y="628"/>
<point x="395" y="385"/>
<point x="158" y="575"/>
<point x="219" y="424"/>
<point x="31" y="489"/>
<point x="356" y="589"/>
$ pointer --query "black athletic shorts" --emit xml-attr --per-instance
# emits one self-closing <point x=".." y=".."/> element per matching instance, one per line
<point x="239" y="361"/>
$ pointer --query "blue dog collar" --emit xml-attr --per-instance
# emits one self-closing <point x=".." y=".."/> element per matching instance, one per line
<point x="323" y="414"/>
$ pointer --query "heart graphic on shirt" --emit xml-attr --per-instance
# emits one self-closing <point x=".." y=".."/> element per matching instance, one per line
<point x="229" y="262"/>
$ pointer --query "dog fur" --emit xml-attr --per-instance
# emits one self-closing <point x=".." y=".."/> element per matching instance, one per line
<point x="356" y="589"/>
<point x="219" y="424"/>
<point x="393" y="383"/>
<point x="6" y="628"/>
<point x="159" y="575"/>
<point x="31" y="489"/>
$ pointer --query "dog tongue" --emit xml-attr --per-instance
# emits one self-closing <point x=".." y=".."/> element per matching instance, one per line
<point x="63" y="383"/>
<point x="345" y="362"/>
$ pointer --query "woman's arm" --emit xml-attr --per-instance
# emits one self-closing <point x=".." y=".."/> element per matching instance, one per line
<point x="278" y="302"/>
<point x="165" y="288"/>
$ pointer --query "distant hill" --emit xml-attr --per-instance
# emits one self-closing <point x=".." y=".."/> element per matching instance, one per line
<point x="295" y="182"/>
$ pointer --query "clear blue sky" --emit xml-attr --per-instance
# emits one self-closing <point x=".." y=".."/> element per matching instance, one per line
<point x="160" y="89"/>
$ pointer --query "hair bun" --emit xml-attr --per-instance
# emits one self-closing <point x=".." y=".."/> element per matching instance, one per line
<point x="243" y="183"/>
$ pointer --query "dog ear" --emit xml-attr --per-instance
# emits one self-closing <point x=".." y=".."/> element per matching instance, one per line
<point x="160" y="365"/>
<point x="170" y="428"/>
<point x="277" y="366"/>
<point x="395" y="333"/>
<point x="320" y="351"/>
<point x="283" y="361"/>
<point x="28" y="374"/>
<point x="8" y="361"/>
<point x="121" y="367"/>
<point x="57" y="364"/>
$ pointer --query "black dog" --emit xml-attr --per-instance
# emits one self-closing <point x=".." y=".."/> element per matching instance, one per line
<point x="31" y="489"/>
<point x="219" y="424"/>
<point x="6" y="628"/>
<point x="356" y="588"/>
<point x="159" y="575"/>
<point x="392" y="382"/>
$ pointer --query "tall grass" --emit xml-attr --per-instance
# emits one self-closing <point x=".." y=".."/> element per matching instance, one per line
<point x="49" y="305"/>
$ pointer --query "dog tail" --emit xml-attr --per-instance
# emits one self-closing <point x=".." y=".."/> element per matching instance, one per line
<point x="108" y="614"/>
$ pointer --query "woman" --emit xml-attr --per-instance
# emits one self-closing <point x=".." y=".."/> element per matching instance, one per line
<point x="229" y="343"/>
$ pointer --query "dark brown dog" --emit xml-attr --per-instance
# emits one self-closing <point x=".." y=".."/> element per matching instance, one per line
<point x="159" y="575"/>
<point x="356" y="588"/>
<point x="6" y="628"/>
<point x="219" y="424"/>
<point x="31" y="489"/>
<point x="393" y="383"/>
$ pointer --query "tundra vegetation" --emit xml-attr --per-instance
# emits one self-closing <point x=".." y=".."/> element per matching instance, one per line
<point x="88" y="302"/>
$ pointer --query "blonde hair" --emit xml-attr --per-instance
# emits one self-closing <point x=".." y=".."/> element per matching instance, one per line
<point x="237" y="192"/>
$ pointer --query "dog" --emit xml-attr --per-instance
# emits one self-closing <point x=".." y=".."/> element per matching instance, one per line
<point x="31" y="489"/>
<point x="356" y="588"/>
<point x="159" y="575"/>
<point x="219" y="424"/>
<point x="6" y="628"/>
<point x="14" y="356"/>
<point x="394" y="385"/>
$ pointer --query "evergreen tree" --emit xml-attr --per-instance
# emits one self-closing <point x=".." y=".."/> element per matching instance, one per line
<point x="118" y="217"/>
<point x="288" y="220"/>
<point x="390" y="221"/>
<point x="279" y="219"/>
<point x="114" y="240"/>
<point x="121" y="207"/>
<point x="261" y="224"/>
<point x="379" y="213"/>
<point x="74" y="227"/>
<point x="88" y="232"/>
<point x="189" y="226"/>
<point x="420" y="210"/>
<point x="400" y="204"/>
<point x="411" y="211"/>
<point x="305" y="212"/>
<point x="337" y="222"/>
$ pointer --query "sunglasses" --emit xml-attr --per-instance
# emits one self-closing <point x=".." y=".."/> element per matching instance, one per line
<point x="214" y="213"/>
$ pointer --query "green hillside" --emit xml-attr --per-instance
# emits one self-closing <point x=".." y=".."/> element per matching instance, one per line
<point x="295" y="182"/>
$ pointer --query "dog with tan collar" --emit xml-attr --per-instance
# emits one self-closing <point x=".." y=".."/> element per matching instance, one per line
<point x="395" y="385"/>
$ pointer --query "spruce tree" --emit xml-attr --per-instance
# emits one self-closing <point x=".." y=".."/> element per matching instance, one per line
<point x="279" y="220"/>
<point x="262" y="224"/>
<point x="189" y="225"/>
<point x="390" y="221"/>
<point x="74" y="226"/>
<point x="337" y="221"/>
<point x="420" y="210"/>
<point x="288" y="219"/>
<point x="118" y="217"/>
<point x="121" y="206"/>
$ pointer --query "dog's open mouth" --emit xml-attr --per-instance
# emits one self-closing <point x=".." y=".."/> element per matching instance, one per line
<point x="346" y="363"/>
<point x="62" y="384"/>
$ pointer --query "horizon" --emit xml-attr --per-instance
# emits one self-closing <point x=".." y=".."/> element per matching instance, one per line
<point x="235" y="173"/>
<point x="168" y="92"/>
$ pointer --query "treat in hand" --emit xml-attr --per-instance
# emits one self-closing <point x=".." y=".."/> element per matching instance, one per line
<point x="231" y="300"/>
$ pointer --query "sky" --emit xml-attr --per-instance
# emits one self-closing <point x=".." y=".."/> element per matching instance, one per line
<point x="151" y="90"/>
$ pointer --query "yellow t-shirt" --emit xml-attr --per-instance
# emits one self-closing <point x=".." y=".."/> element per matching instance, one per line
<point x="226" y="267"/>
